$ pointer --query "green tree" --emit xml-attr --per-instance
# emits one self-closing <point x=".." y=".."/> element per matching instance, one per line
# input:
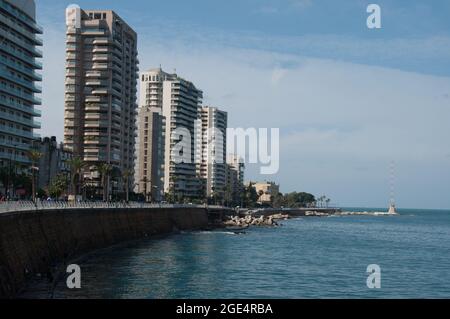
<point x="250" y="196"/>
<point x="145" y="181"/>
<point x="277" y="200"/>
<point x="34" y="156"/>
<point x="126" y="174"/>
<point x="295" y="200"/>
<point x="105" y="171"/>
<point x="58" y="185"/>
<point x="228" y="195"/>
<point x="5" y="178"/>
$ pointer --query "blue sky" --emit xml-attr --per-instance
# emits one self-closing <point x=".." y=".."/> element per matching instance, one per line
<point x="348" y="100"/>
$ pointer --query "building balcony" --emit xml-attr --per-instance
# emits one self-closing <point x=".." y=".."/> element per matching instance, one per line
<point x="15" y="145"/>
<point x="92" y="133"/>
<point x="93" y="158"/>
<point x="20" y="68"/>
<point x="71" y="30"/>
<point x="100" y="66"/>
<point x="96" y="31"/>
<point x="95" y="82"/>
<point x="96" y="74"/>
<point x="21" y="16"/>
<point x="71" y="39"/>
<point x="96" y="141"/>
<point x="100" y="58"/>
<point x="100" y="49"/>
<point x="95" y="117"/>
<point x="18" y="81"/>
<point x="95" y="99"/>
<point x="29" y="35"/>
<point x="71" y="56"/>
<point x="29" y="47"/>
<point x="29" y="110"/>
<point x="18" y="132"/>
<point x="71" y="47"/>
<point x="28" y="97"/>
<point x="96" y="107"/>
<point x="22" y="56"/>
<point x="104" y="41"/>
<point x="100" y="91"/>
<point x="96" y="124"/>
<point x="15" y="157"/>
<point x="21" y="120"/>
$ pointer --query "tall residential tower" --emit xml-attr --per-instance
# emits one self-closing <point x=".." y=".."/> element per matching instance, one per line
<point x="18" y="53"/>
<point x="100" y="98"/>
<point x="168" y="104"/>
<point x="212" y="165"/>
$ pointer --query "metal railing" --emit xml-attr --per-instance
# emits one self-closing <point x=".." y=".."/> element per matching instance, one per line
<point x="16" y="206"/>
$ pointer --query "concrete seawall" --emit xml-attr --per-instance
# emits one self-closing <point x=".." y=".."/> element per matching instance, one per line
<point x="33" y="242"/>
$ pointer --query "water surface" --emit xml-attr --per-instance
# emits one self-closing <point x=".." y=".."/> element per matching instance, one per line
<point x="304" y="258"/>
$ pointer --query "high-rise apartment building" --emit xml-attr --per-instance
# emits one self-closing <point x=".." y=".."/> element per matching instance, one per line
<point x="177" y="103"/>
<point x="18" y="53"/>
<point x="150" y="168"/>
<point x="235" y="178"/>
<point x="181" y="106"/>
<point x="212" y="164"/>
<point x="151" y="135"/>
<point x="100" y="95"/>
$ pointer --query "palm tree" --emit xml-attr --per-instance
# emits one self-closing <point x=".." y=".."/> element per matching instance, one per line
<point x="126" y="176"/>
<point x="173" y="180"/>
<point x="76" y="167"/>
<point x="105" y="170"/>
<point x="260" y="195"/>
<point x="145" y="181"/>
<point x="34" y="157"/>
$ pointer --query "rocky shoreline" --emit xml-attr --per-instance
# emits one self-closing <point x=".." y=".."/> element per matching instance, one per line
<point x="249" y="220"/>
<point x="263" y="220"/>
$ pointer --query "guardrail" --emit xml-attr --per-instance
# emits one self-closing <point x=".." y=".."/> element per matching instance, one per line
<point x="15" y="206"/>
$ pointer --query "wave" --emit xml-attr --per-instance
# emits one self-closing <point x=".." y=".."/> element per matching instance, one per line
<point x="365" y="213"/>
<point x="208" y="232"/>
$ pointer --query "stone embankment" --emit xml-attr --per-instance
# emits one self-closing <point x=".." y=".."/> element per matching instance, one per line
<point x="35" y="243"/>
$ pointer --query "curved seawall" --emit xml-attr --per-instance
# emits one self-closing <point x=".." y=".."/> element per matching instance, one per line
<point x="34" y="242"/>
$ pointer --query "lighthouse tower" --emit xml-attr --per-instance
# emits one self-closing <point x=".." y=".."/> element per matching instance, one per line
<point x="392" y="210"/>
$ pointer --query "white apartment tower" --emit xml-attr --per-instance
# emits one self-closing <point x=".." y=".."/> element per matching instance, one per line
<point x="177" y="103"/>
<point x="151" y="135"/>
<point x="212" y="165"/>
<point x="100" y="95"/>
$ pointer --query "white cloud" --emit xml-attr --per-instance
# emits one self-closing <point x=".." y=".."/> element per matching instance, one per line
<point x="278" y="75"/>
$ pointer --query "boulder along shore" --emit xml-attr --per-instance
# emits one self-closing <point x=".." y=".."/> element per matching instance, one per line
<point x="263" y="220"/>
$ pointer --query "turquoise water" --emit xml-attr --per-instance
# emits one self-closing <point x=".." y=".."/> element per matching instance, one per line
<point x="304" y="258"/>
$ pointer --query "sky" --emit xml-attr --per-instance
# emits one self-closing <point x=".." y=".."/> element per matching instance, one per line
<point x="348" y="100"/>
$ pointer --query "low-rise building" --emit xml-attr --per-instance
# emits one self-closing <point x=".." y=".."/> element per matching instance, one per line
<point x="54" y="160"/>
<point x="266" y="191"/>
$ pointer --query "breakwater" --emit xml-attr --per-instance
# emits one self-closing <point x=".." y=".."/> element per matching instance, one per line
<point x="295" y="212"/>
<point x="34" y="242"/>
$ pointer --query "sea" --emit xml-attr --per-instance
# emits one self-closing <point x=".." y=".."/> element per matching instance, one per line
<point x="307" y="257"/>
